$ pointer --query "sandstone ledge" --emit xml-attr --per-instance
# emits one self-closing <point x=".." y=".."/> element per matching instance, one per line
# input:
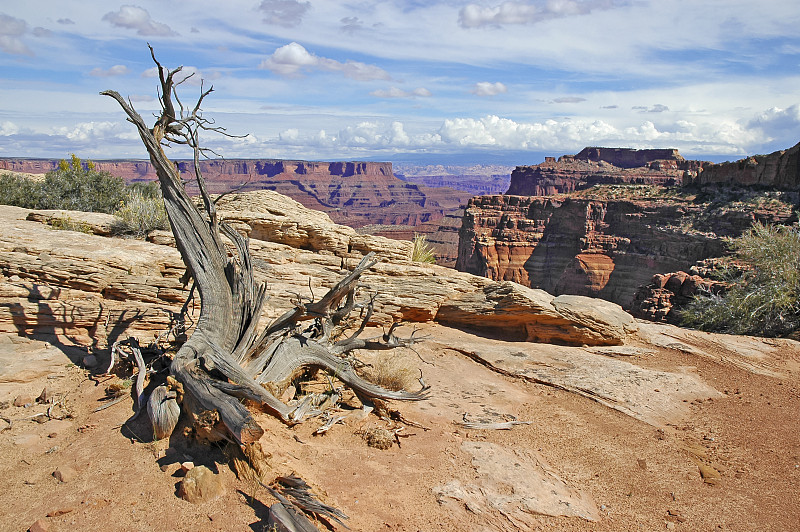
<point x="95" y="288"/>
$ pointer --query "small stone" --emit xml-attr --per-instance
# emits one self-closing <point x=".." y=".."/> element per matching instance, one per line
<point x="200" y="485"/>
<point x="90" y="361"/>
<point x="187" y="466"/>
<point x="52" y="435"/>
<point x="41" y="418"/>
<point x="642" y="464"/>
<point x="60" y="511"/>
<point x="65" y="473"/>
<point x="46" y="396"/>
<point x="41" y="525"/>
<point x="23" y="400"/>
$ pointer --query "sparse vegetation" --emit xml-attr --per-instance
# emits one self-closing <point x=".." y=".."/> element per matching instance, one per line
<point x="141" y="213"/>
<point x="764" y="298"/>
<point x="392" y="372"/>
<point x="78" y="186"/>
<point x="423" y="251"/>
<point x="66" y="223"/>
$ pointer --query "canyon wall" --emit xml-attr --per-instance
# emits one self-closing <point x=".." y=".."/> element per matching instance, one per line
<point x="599" y="248"/>
<point x="779" y="170"/>
<point x="352" y="193"/>
<point x="603" y="166"/>
<point x="603" y="222"/>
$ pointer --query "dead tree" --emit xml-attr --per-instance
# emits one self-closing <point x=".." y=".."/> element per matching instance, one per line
<point x="226" y="359"/>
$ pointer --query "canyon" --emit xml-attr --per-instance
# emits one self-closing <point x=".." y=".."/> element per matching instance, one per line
<point x="356" y="194"/>
<point x="545" y="413"/>
<point x="603" y="222"/>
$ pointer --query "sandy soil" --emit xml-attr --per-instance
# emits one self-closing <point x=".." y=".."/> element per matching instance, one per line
<point x="638" y="476"/>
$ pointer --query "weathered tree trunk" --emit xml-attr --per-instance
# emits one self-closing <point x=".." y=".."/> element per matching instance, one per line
<point x="226" y="359"/>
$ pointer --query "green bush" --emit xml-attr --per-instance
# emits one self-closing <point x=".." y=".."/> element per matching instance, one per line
<point x="78" y="186"/>
<point x="764" y="297"/>
<point x="140" y="213"/>
<point x="19" y="191"/>
<point x="423" y="251"/>
<point x="73" y="186"/>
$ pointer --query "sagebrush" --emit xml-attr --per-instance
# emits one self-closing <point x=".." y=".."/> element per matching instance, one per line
<point x="764" y="294"/>
<point x="78" y="186"/>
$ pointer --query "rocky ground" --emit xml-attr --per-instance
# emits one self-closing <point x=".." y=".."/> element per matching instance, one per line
<point x="663" y="429"/>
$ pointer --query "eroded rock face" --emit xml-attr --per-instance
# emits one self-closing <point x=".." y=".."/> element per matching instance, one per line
<point x="353" y="193"/>
<point x="92" y="289"/>
<point x="536" y="316"/>
<point x="780" y="170"/>
<point x="594" y="244"/>
<point x="563" y="245"/>
<point x="594" y="166"/>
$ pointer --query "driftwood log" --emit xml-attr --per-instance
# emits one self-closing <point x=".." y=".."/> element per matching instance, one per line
<point x="226" y="359"/>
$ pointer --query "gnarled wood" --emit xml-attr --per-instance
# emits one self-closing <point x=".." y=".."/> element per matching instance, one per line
<point x="225" y="359"/>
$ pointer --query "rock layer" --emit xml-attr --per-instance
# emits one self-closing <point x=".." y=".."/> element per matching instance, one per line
<point x="355" y="193"/>
<point x="578" y="246"/>
<point x="779" y="170"/>
<point x="594" y="166"/>
<point x="91" y="289"/>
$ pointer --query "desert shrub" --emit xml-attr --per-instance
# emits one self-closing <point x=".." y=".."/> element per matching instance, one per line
<point x="423" y="251"/>
<point x="140" y="213"/>
<point x="764" y="297"/>
<point x="77" y="188"/>
<point x="19" y="191"/>
<point x="73" y="186"/>
<point x="391" y="372"/>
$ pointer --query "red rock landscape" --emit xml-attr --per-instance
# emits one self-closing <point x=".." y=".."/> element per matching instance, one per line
<point x="636" y="425"/>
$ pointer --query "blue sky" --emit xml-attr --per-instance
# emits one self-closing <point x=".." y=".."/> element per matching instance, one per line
<point x="367" y="79"/>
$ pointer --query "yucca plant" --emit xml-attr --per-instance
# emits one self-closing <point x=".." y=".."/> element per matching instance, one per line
<point x="423" y="251"/>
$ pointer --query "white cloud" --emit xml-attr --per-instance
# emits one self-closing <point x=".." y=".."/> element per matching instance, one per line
<point x="293" y="59"/>
<point x="568" y="135"/>
<point x="116" y="70"/>
<point x="394" y="92"/>
<point x="657" y="108"/>
<point x="475" y="16"/>
<point x="775" y="119"/>
<point x="284" y="12"/>
<point x="11" y="32"/>
<point x="137" y="18"/>
<point x="8" y="128"/>
<point x="486" y="88"/>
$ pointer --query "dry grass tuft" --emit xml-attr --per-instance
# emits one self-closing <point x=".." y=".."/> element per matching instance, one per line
<point x="392" y="372"/>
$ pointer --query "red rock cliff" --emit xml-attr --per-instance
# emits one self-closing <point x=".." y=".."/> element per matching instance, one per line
<point x="352" y="193"/>
<point x="598" y="247"/>
<point x="780" y="170"/>
<point x="595" y="166"/>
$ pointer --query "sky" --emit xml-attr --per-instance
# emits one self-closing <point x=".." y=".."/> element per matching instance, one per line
<point x="412" y="80"/>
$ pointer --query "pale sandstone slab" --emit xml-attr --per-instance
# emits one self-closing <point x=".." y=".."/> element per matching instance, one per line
<point x="517" y="484"/>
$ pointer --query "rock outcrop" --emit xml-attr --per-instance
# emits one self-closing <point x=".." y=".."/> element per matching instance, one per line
<point x="603" y="166"/>
<point x="778" y="170"/>
<point x="603" y="222"/>
<point x="352" y="193"/>
<point x="92" y="288"/>
<point x="607" y="241"/>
